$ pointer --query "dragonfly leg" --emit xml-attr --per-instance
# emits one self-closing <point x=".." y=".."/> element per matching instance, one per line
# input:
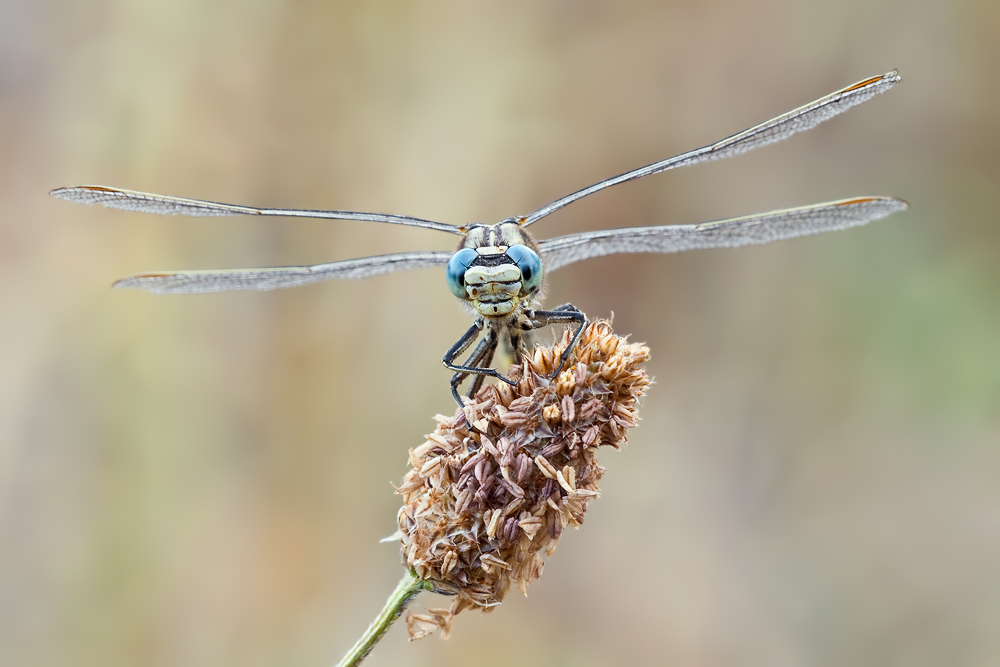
<point x="564" y="314"/>
<point x="484" y="361"/>
<point x="517" y="342"/>
<point x="566" y="306"/>
<point x="477" y="364"/>
<point x="485" y="348"/>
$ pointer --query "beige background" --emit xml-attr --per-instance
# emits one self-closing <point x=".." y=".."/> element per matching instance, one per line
<point x="203" y="480"/>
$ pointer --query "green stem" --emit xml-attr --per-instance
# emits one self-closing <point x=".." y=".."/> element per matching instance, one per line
<point x="409" y="587"/>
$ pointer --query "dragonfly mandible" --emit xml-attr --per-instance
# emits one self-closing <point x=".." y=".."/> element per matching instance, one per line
<point x="498" y="269"/>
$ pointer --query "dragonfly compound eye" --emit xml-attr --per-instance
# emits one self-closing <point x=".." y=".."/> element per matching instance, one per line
<point x="455" y="272"/>
<point x="530" y="265"/>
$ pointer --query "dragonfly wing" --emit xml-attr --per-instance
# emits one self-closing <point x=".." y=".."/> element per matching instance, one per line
<point x="776" y="129"/>
<point x="145" y="202"/>
<point x="731" y="233"/>
<point x="129" y="200"/>
<point x="191" y="282"/>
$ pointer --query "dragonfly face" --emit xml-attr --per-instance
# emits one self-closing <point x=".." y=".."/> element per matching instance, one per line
<point x="497" y="269"/>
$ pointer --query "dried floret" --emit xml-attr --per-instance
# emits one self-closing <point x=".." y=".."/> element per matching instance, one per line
<point x="493" y="487"/>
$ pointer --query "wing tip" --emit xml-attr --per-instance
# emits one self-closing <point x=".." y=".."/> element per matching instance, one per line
<point x="83" y="194"/>
<point x="137" y="281"/>
<point x="887" y="205"/>
<point x="124" y="283"/>
<point x="882" y="198"/>
<point x="888" y="80"/>
<point x="66" y="194"/>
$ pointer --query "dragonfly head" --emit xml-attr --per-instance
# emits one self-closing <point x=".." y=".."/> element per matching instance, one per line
<point x="496" y="268"/>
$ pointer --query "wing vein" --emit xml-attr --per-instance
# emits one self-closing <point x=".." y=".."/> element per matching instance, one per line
<point x="730" y="233"/>
<point x="130" y="200"/>
<point x="192" y="282"/>
<point x="768" y="132"/>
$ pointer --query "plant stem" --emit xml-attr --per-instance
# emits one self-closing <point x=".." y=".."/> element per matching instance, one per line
<point x="409" y="587"/>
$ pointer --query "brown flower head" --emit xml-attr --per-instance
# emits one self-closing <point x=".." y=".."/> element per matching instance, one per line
<point x="481" y="504"/>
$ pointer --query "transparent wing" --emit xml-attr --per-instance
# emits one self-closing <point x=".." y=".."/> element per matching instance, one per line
<point x="731" y="233"/>
<point x="191" y="282"/>
<point x="776" y="129"/>
<point x="130" y="200"/>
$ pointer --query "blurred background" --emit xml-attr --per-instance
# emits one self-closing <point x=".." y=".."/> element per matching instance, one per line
<point x="203" y="480"/>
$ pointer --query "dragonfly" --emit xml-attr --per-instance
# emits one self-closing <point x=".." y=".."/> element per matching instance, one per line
<point x="498" y="270"/>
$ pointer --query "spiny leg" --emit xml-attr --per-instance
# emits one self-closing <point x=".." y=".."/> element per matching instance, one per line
<point x="484" y="361"/>
<point x="566" y="306"/>
<point x="486" y="348"/>
<point x="459" y="377"/>
<point x="462" y="344"/>
<point x="522" y="332"/>
<point x="507" y="349"/>
<point x="517" y="339"/>
<point x="564" y="314"/>
<point x="483" y="354"/>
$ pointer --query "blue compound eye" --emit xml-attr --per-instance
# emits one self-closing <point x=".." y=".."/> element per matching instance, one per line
<point x="530" y="265"/>
<point x="455" y="272"/>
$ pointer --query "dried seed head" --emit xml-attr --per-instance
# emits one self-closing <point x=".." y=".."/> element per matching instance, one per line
<point x="481" y="506"/>
<point x="551" y="414"/>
